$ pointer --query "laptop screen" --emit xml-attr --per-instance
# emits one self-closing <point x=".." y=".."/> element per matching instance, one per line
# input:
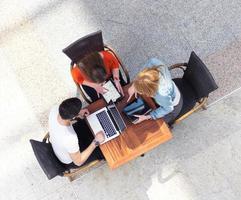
<point x="116" y="117"/>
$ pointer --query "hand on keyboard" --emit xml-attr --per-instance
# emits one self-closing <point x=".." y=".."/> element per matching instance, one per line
<point x="100" y="137"/>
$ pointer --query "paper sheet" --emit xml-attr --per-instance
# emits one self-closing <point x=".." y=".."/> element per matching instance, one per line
<point x="112" y="93"/>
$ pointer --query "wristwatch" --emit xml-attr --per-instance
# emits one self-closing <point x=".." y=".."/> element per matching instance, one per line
<point x="97" y="143"/>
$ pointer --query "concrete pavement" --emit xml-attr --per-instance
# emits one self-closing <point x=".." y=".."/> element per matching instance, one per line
<point x="201" y="162"/>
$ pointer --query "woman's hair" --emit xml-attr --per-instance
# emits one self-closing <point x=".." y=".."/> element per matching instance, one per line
<point x="70" y="108"/>
<point x="147" y="81"/>
<point x="93" y="67"/>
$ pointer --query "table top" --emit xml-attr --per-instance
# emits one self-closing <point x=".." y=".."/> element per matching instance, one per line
<point x="136" y="139"/>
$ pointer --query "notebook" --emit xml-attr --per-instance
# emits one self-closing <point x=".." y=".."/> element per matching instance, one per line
<point x="112" y="94"/>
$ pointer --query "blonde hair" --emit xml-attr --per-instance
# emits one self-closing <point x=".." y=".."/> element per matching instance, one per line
<point x="147" y="81"/>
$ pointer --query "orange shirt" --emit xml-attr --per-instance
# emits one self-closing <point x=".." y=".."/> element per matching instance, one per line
<point x="110" y="63"/>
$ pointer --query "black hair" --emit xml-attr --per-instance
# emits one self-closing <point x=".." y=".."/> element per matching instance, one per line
<point x="69" y="108"/>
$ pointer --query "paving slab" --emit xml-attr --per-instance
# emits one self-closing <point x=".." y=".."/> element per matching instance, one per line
<point x="201" y="161"/>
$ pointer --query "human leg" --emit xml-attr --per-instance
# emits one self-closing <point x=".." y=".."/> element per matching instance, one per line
<point x="90" y="92"/>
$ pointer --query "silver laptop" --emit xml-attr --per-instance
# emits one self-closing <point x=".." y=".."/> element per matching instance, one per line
<point x="108" y="120"/>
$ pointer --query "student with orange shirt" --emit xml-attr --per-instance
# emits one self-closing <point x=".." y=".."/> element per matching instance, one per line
<point x="93" y="70"/>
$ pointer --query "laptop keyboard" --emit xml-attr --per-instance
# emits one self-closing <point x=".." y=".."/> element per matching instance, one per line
<point x="118" y="118"/>
<point x="106" y="124"/>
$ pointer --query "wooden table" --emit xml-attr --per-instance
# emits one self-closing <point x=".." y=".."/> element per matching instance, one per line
<point x="136" y="140"/>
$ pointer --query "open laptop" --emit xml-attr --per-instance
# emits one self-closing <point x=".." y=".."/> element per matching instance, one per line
<point x="108" y="120"/>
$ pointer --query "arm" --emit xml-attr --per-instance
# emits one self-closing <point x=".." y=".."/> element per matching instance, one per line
<point x="115" y="73"/>
<point x="158" y="112"/>
<point x="79" y="78"/>
<point x="131" y="92"/>
<point x="80" y="157"/>
<point x="90" y="84"/>
<point x="98" y="88"/>
<point x="83" y="113"/>
<point x="113" y="65"/>
<point x="163" y="110"/>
